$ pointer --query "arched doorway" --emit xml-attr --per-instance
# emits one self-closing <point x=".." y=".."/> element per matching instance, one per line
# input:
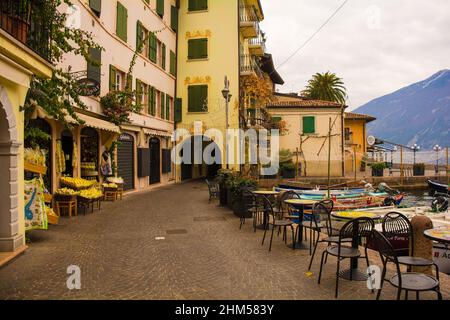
<point x="89" y="141"/>
<point x="10" y="239"/>
<point x="44" y="144"/>
<point x="67" y="147"/>
<point x="125" y="160"/>
<point x="155" y="161"/>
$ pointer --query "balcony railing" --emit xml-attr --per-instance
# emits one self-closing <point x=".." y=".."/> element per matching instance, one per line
<point x="250" y="65"/>
<point x="26" y="22"/>
<point x="248" y="13"/>
<point x="259" y="41"/>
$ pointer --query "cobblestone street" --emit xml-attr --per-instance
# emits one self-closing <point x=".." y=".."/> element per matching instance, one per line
<point x="204" y="256"/>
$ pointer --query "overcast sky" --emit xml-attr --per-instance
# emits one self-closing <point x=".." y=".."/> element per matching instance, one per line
<point x="376" y="46"/>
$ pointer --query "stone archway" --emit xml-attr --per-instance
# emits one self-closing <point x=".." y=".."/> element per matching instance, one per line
<point x="10" y="239"/>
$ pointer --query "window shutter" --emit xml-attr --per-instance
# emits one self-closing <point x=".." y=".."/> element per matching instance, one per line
<point x="138" y="93"/>
<point x="197" y="98"/>
<point x="153" y="49"/>
<point x="173" y="63"/>
<point x="153" y="102"/>
<point x="112" y="78"/>
<point x="163" y="56"/>
<point x="139" y="37"/>
<point x="163" y="100"/>
<point x="198" y="49"/>
<point x="202" y="4"/>
<point x="160" y="7"/>
<point x="167" y="107"/>
<point x="178" y="110"/>
<point x="94" y="71"/>
<point x="174" y="18"/>
<point x="96" y="6"/>
<point x="122" y="18"/>
<point x="129" y="81"/>
<point x="149" y="102"/>
<point x="309" y="125"/>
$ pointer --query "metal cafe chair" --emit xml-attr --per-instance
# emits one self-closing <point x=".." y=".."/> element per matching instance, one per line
<point x="398" y="230"/>
<point x="213" y="188"/>
<point x="408" y="281"/>
<point x="356" y="228"/>
<point x="250" y="206"/>
<point x="275" y="220"/>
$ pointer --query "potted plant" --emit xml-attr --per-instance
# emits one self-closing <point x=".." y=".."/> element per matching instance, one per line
<point x="288" y="170"/>
<point x="238" y="187"/>
<point x="222" y="179"/>
<point x="17" y="20"/>
<point x="419" y="169"/>
<point x="378" y="169"/>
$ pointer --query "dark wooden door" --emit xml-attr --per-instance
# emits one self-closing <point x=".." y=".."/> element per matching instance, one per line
<point x="155" y="161"/>
<point x="125" y="160"/>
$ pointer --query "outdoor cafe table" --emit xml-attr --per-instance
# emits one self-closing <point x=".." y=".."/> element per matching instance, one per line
<point x="300" y="204"/>
<point x="354" y="274"/>
<point x="440" y="234"/>
<point x="264" y="193"/>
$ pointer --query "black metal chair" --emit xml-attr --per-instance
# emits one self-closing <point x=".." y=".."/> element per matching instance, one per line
<point x="213" y="188"/>
<point x="315" y="224"/>
<point x="320" y="223"/>
<point x="275" y="220"/>
<point x="408" y="281"/>
<point x="357" y="228"/>
<point x="250" y="205"/>
<point x="398" y="229"/>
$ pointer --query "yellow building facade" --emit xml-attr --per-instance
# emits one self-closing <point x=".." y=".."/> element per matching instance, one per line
<point x="307" y="124"/>
<point x="216" y="39"/>
<point x="355" y="136"/>
<point x="19" y="61"/>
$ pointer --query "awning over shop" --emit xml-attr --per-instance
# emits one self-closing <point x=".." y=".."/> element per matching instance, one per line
<point x="157" y="133"/>
<point x="96" y="123"/>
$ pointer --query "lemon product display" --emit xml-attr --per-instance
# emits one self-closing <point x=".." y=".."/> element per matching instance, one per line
<point x="88" y="166"/>
<point x="35" y="156"/>
<point x="66" y="192"/>
<point x="110" y="185"/>
<point x="92" y="193"/>
<point x="77" y="183"/>
<point x="116" y="180"/>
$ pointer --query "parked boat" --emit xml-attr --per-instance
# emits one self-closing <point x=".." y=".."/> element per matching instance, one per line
<point x="438" y="187"/>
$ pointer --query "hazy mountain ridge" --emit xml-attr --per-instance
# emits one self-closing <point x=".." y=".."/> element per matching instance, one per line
<point x="419" y="113"/>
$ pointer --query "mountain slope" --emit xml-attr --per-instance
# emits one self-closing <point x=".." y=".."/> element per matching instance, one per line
<point x="419" y="113"/>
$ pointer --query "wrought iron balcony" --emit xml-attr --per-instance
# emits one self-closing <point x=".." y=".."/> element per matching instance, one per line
<point x="257" y="45"/>
<point x="249" y="65"/>
<point x="248" y="21"/>
<point x="25" y="20"/>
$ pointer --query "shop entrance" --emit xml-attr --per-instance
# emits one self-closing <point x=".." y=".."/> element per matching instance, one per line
<point x="125" y="160"/>
<point x="155" y="161"/>
<point x="89" y="153"/>
<point x="67" y="147"/>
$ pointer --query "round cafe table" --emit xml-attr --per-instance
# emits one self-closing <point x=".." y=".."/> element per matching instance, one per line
<point x="269" y="194"/>
<point x="300" y="204"/>
<point x="439" y="234"/>
<point x="354" y="274"/>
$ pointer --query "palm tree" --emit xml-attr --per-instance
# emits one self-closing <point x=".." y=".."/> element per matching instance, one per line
<point x="326" y="86"/>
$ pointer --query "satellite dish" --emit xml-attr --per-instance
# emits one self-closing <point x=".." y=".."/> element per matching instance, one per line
<point x="371" y="140"/>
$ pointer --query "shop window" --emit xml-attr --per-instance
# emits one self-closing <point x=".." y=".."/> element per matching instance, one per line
<point x="68" y="149"/>
<point x="89" y="153"/>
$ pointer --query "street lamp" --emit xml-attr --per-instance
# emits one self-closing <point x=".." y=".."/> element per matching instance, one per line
<point x="392" y="159"/>
<point x="438" y="149"/>
<point x="227" y="96"/>
<point x="415" y="148"/>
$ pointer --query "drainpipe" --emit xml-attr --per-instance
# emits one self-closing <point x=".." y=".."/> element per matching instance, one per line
<point x="177" y="5"/>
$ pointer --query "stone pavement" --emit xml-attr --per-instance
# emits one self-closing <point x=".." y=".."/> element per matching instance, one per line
<point x="204" y="256"/>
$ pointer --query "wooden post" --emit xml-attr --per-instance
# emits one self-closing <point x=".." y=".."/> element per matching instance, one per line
<point x="329" y="160"/>
<point x="402" y="174"/>
<point x="447" y="168"/>
<point x="296" y="164"/>
<point x="354" y="160"/>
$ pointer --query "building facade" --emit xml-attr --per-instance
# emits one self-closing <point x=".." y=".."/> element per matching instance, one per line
<point x="217" y="39"/>
<point x="308" y="124"/>
<point x="20" y="59"/>
<point x="355" y="136"/>
<point x="141" y="157"/>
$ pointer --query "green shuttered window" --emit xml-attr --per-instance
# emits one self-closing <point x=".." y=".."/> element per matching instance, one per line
<point x="160" y="7"/>
<point x="198" y="98"/>
<point x="168" y="98"/>
<point x="121" y="23"/>
<point x="138" y="93"/>
<point x="152" y="101"/>
<point x="174" y="18"/>
<point x="153" y="48"/>
<point x="198" y="5"/>
<point x="163" y="56"/>
<point x="173" y="63"/>
<point x="197" y="49"/>
<point x="139" y="37"/>
<point x="112" y="78"/>
<point x="94" y="68"/>
<point x="178" y="110"/>
<point x="163" y="103"/>
<point x="96" y="6"/>
<point x="309" y="125"/>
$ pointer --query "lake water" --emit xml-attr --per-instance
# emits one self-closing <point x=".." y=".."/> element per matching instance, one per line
<point x="417" y="198"/>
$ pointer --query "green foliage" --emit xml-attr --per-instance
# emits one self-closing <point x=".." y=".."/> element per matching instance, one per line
<point x="58" y="96"/>
<point x="285" y="156"/>
<point x="326" y="86"/>
<point x="378" y="166"/>
<point x="35" y="136"/>
<point x="287" y="166"/>
<point x="116" y="106"/>
<point x="238" y="184"/>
